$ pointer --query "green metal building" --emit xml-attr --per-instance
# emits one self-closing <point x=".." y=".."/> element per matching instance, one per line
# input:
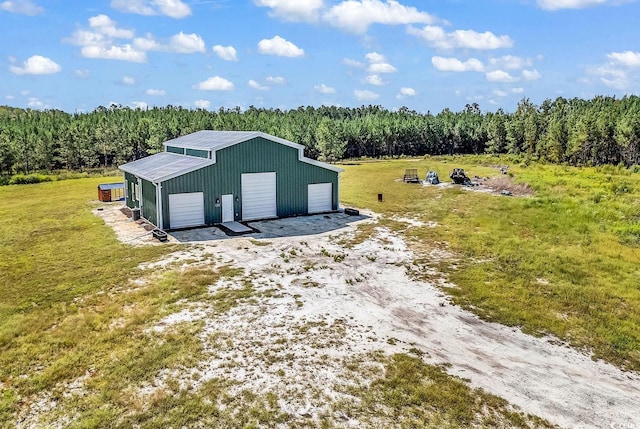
<point x="211" y="177"/>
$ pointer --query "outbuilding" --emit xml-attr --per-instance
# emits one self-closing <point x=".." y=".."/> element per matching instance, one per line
<point x="211" y="177"/>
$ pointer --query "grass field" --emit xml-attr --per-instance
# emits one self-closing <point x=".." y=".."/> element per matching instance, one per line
<point x="565" y="261"/>
<point x="76" y="310"/>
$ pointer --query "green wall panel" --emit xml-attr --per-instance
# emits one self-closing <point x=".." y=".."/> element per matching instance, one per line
<point x="199" y="153"/>
<point x="149" y="209"/>
<point x="173" y="149"/>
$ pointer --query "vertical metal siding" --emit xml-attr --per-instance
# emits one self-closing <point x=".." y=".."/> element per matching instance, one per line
<point x="128" y="196"/>
<point x="197" y="152"/>
<point x="149" y="210"/>
<point x="253" y="156"/>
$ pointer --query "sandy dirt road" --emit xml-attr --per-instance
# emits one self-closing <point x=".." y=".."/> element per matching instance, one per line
<point x="370" y="286"/>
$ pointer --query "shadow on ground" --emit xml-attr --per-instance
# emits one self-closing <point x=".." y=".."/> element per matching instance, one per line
<point x="276" y="228"/>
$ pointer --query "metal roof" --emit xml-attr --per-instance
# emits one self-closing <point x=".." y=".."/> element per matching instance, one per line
<point x="164" y="166"/>
<point x="107" y="186"/>
<point x="212" y="140"/>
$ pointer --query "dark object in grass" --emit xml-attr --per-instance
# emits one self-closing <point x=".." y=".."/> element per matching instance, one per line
<point x="506" y="192"/>
<point x="459" y="178"/>
<point x="432" y="178"/>
<point x="351" y="212"/>
<point x="411" y="176"/>
<point x="160" y="235"/>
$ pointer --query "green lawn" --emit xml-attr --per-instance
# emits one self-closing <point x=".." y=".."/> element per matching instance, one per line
<point x="70" y="312"/>
<point x="565" y="261"/>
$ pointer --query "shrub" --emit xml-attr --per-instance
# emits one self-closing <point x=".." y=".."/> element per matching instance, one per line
<point x="26" y="179"/>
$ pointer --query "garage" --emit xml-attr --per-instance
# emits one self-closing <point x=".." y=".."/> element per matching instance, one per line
<point x="186" y="210"/>
<point x="320" y="198"/>
<point x="259" y="196"/>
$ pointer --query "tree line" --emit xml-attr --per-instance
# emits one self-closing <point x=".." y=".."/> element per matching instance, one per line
<point x="603" y="130"/>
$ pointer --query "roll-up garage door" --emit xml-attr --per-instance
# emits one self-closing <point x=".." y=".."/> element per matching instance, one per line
<point x="320" y="198"/>
<point x="259" y="196"/>
<point x="186" y="210"/>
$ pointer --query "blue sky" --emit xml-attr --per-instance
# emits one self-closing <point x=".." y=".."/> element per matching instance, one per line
<point x="77" y="55"/>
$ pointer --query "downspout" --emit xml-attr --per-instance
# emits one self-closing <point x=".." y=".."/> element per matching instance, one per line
<point x="140" y="199"/>
<point x="159" y="205"/>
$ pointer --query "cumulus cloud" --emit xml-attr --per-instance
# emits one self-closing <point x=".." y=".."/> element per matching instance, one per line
<point x="215" y="83"/>
<point x="128" y="80"/>
<point x="517" y="90"/>
<point x="499" y="76"/>
<point x="500" y="93"/>
<point x="182" y="43"/>
<point x="36" y="65"/>
<point x="35" y="103"/>
<point x="531" y="74"/>
<point x="171" y="8"/>
<point x="357" y="15"/>
<point x="627" y="58"/>
<point x="406" y="92"/>
<point x="293" y="10"/>
<point x="511" y="62"/>
<point x="139" y="105"/>
<point x="23" y="7"/>
<point x="227" y="53"/>
<point x="116" y="52"/>
<point x="275" y="80"/>
<point x="202" y="104"/>
<point x="572" y="4"/>
<point x="460" y="39"/>
<point x="105" y="25"/>
<point x="279" y="47"/>
<point x="324" y="89"/>
<point x="152" y="91"/>
<point x="378" y="64"/>
<point x="455" y="65"/>
<point x="255" y="85"/>
<point x="365" y="95"/>
<point x="374" y="79"/>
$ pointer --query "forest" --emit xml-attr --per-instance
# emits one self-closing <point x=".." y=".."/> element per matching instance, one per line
<point x="603" y="130"/>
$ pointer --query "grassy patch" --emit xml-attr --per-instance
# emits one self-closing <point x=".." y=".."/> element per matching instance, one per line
<point x="563" y="261"/>
<point x="413" y="394"/>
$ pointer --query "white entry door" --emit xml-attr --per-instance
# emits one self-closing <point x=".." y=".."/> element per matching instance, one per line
<point x="186" y="210"/>
<point x="259" y="196"/>
<point x="320" y="198"/>
<point x="227" y="208"/>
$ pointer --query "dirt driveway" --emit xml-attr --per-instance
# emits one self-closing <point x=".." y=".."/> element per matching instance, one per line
<point x="367" y="289"/>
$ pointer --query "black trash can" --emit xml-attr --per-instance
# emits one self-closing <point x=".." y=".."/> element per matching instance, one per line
<point x="135" y="214"/>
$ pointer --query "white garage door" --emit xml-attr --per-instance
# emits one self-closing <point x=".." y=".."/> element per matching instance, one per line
<point x="259" y="196"/>
<point x="186" y="210"/>
<point x="320" y="198"/>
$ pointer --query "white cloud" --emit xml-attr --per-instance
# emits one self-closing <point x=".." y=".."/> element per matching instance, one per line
<point x="105" y="25"/>
<point x="374" y="79"/>
<point x="517" y="90"/>
<point x="23" y="7"/>
<point x="531" y="74"/>
<point x="186" y="43"/>
<point x="37" y="64"/>
<point x="464" y="39"/>
<point x="572" y="4"/>
<point x="34" y="103"/>
<point x="406" y="92"/>
<point x="627" y="58"/>
<point x="455" y="65"/>
<point x="381" y="68"/>
<point x="171" y="8"/>
<point x="352" y="63"/>
<point x="365" y="95"/>
<point x="116" y="52"/>
<point x="9" y="97"/>
<point x="152" y="91"/>
<point x="500" y="93"/>
<point x="139" y="105"/>
<point x="255" y="85"/>
<point x="279" y="47"/>
<point x="81" y="73"/>
<point x="293" y="10"/>
<point x="227" y="53"/>
<point x="378" y="64"/>
<point x="499" y="76"/>
<point x="324" y="89"/>
<point x="202" y="104"/>
<point x="357" y="15"/>
<point x="215" y="83"/>
<point x="128" y="80"/>
<point x="276" y="80"/>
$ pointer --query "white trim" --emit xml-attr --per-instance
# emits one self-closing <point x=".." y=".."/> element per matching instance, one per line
<point x="159" y="205"/>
